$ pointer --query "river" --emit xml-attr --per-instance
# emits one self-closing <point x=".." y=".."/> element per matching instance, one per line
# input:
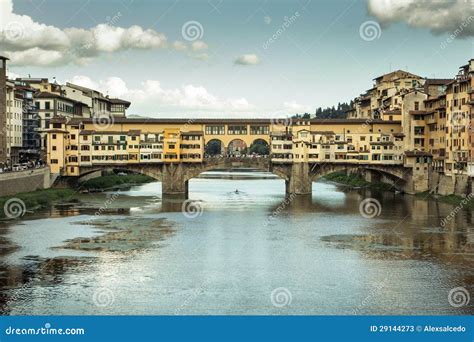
<point x="249" y="251"/>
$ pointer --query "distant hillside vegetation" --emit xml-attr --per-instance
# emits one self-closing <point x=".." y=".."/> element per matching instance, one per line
<point x="327" y="113"/>
<point x="338" y="112"/>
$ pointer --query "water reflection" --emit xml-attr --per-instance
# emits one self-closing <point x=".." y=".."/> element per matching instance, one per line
<point x="244" y="243"/>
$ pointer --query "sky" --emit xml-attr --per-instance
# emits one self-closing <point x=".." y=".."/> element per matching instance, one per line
<point x="228" y="58"/>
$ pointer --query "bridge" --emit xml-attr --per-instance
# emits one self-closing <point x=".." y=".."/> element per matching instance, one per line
<point x="174" y="150"/>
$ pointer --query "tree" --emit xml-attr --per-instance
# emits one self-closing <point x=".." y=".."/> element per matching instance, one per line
<point x="260" y="147"/>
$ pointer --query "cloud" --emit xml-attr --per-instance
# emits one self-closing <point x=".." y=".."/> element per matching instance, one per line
<point x="294" y="107"/>
<point x="12" y="75"/>
<point x="151" y="97"/>
<point x="440" y="16"/>
<point x="250" y="59"/>
<point x="179" y="46"/>
<point x="28" y="42"/>
<point x="199" y="45"/>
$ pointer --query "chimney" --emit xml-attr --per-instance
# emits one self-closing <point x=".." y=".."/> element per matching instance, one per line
<point x="3" y="110"/>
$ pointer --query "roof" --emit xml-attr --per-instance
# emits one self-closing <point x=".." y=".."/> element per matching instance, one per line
<point x="396" y="75"/>
<point x="323" y="132"/>
<point x="417" y="153"/>
<point x="398" y="135"/>
<point x="134" y="132"/>
<point x="381" y="143"/>
<point x="48" y="95"/>
<point x="393" y="111"/>
<point x="192" y="133"/>
<point x="267" y="121"/>
<point x="120" y="101"/>
<point x="417" y="112"/>
<point x="437" y="81"/>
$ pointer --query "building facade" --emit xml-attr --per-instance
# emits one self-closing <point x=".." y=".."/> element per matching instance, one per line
<point x="14" y="123"/>
<point x="436" y="115"/>
<point x="3" y="111"/>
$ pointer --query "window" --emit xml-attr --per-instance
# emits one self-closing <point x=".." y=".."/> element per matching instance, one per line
<point x="47" y="105"/>
<point x="53" y="148"/>
<point x="215" y="129"/>
<point x="239" y="129"/>
<point x="53" y="136"/>
<point x="54" y="161"/>
<point x="259" y="130"/>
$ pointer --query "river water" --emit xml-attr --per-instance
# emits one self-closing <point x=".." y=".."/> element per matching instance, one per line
<point x="245" y="252"/>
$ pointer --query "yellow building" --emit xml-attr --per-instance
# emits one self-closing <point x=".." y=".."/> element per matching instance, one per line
<point x="458" y="118"/>
<point x="78" y="143"/>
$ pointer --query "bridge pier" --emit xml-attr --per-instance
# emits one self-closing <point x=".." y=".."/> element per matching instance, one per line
<point x="174" y="183"/>
<point x="299" y="182"/>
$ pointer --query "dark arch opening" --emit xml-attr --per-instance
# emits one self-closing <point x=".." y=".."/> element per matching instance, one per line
<point x="259" y="147"/>
<point x="214" y="147"/>
<point x="237" y="147"/>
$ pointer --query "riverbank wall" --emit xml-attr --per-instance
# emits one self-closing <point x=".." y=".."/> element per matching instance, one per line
<point x="12" y="183"/>
<point x="460" y="185"/>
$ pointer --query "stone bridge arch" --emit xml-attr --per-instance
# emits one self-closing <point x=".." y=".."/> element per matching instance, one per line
<point x="145" y="169"/>
<point x="260" y="163"/>
<point x="396" y="175"/>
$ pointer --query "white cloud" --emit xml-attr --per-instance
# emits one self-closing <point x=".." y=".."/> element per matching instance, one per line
<point x="84" y="81"/>
<point x="250" y="59"/>
<point x="36" y="56"/>
<point x="201" y="56"/>
<point x="28" y="42"/>
<point x="294" y="107"/>
<point x="12" y="75"/>
<point x="199" y="45"/>
<point x="179" y="46"/>
<point x="152" y="98"/>
<point x="440" y="16"/>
